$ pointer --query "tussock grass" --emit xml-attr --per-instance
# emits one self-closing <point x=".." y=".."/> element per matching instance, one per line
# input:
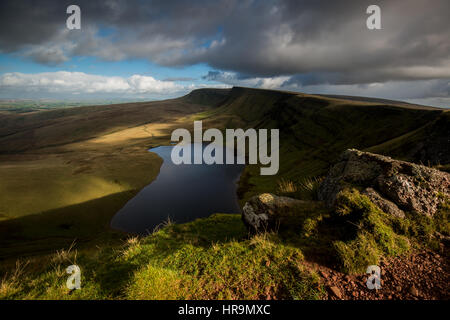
<point x="307" y="188"/>
<point x="286" y="186"/>
<point x="211" y="258"/>
<point x="166" y="223"/>
<point x="10" y="285"/>
<point x="65" y="255"/>
<point x="310" y="186"/>
<point x="258" y="268"/>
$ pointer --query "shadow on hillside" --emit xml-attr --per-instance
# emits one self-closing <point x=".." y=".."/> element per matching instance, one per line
<point x="56" y="229"/>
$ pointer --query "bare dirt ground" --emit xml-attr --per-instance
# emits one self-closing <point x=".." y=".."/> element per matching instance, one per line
<point x="421" y="275"/>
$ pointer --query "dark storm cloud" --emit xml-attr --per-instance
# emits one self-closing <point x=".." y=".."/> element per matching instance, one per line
<point x="315" y="42"/>
<point x="330" y="38"/>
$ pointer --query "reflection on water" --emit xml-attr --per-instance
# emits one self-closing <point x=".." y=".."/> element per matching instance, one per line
<point x="181" y="192"/>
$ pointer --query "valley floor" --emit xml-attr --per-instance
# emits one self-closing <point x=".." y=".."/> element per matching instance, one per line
<point x="64" y="190"/>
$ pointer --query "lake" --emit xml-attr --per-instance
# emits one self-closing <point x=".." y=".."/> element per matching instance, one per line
<point x="182" y="193"/>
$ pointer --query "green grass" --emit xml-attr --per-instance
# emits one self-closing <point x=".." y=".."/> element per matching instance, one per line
<point x="25" y="106"/>
<point x="424" y="228"/>
<point x="213" y="258"/>
<point x="88" y="224"/>
<point x="66" y="172"/>
<point x="55" y="181"/>
<point x="216" y="258"/>
<point x="209" y="258"/>
<point x="314" y="131"/>
<point x="369" y="231"/>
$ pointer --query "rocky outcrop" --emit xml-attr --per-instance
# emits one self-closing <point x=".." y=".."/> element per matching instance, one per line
<point x="394" y="186"/>
<point x="263" y="212"/>
<point x="383" y="204"/>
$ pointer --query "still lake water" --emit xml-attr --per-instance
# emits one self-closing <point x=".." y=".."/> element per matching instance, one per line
<point x="181" y="192"/>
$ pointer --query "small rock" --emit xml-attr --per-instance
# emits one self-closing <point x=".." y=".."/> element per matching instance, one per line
<point x="413" y="290"/>
<point x="263" y="212"/>
<point x="384" y="204"/>
<point x="398" y="288"/>
<point x="324" y="274"/>
<point x="335" y="291"/>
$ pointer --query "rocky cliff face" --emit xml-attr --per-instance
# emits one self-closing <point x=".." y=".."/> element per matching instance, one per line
<point x="396" y="187"/>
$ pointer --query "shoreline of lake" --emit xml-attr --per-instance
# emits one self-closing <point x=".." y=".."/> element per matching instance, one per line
<point x="199" y="189"/>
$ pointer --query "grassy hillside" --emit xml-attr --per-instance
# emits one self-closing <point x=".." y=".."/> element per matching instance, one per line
<point x="314" y="130"/>
<point x="206" y="259"/>
<point x="65" y="173"/>
<point x="58" y="127"/>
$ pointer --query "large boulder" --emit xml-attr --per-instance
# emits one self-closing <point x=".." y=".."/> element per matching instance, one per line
<point x="394" y="186"/>
<point x="263" y="212"/>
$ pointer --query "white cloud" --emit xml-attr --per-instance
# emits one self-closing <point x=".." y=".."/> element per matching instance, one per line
<point x="64" y="84"/>
<point x="80" y="85"/>
<point x="232" y="79"/>
<point x="78" y="82"/>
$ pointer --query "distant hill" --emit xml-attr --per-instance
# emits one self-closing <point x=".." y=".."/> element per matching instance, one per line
<point x="318" y="127"/>
<point x="315" y="129"/>
<point x="335" y="122"/>
<point x="375" y="100"/>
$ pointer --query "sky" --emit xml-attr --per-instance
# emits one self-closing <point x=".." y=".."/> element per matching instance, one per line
<point x="138" y="49"/>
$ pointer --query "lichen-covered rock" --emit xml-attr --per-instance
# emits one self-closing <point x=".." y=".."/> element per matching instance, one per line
<point x="262" y="212"/>
<point x="384" y="204"/>
<point x="394" y="186"/>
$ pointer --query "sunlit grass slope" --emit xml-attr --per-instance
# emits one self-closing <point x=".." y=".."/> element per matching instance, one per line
<point x="216" y="258"/>
<point x="209" y="258"/>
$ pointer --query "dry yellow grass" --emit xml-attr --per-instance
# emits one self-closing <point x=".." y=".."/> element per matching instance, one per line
<point x="286" y="186"/>
<point x="10" y="284"/>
